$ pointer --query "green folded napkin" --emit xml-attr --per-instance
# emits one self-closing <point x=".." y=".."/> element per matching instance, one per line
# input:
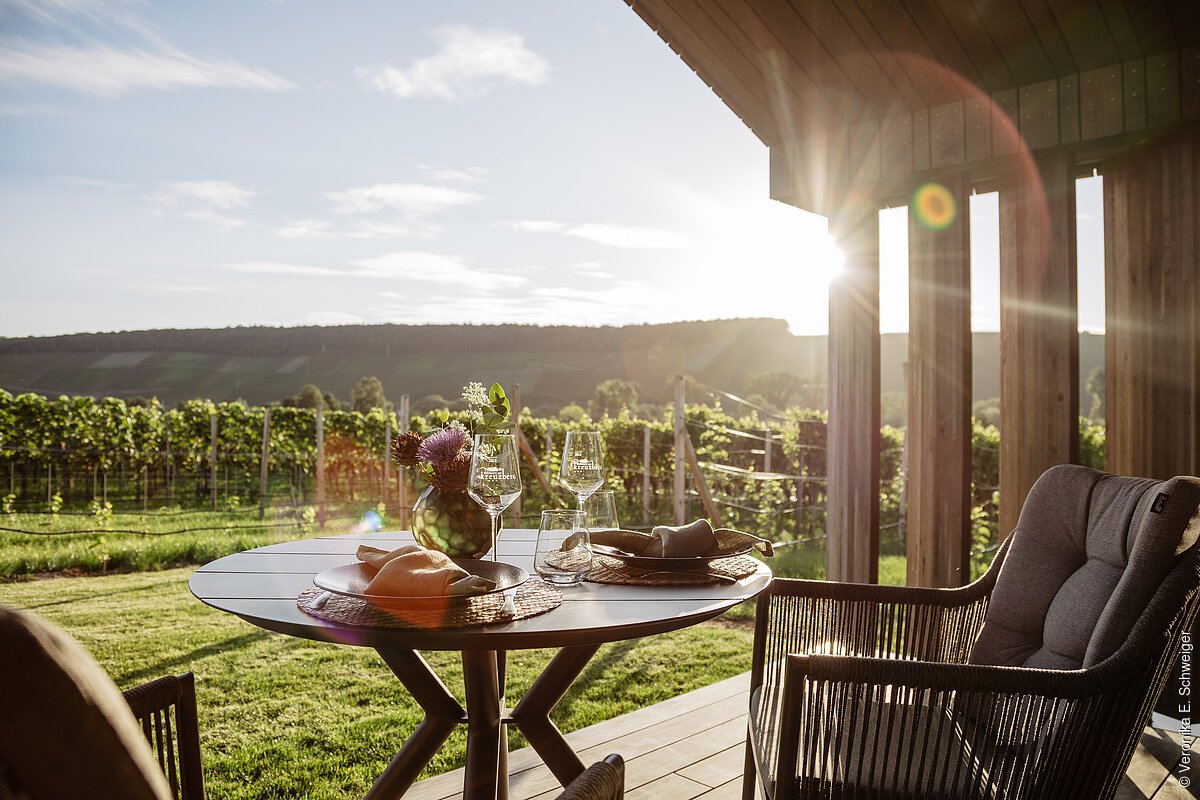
<point x="413" y="571"/>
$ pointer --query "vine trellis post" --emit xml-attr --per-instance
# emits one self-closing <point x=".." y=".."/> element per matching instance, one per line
<point x="320" y="468"/>
<point x="768" y="446"/>
<point x="646" y="476"/>
<point x="263" y="464"/>
<point x="680" y="487"/>
<point x="385" y="477"/>
<point x="401" y="482"/>
<point x="515" y="514"/>
<point x="212" y="458"/>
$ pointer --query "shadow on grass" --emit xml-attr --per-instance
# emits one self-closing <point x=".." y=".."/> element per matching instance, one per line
<point x="160" y="668"/>
<point x="593" y="670"/>
<point x="91" y="597"/>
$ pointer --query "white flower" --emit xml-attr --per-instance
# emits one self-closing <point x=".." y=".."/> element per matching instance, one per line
<point x="457" y="425"/>
<point x="475" y="395"/>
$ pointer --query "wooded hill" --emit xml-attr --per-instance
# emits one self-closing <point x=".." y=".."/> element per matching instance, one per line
<point x="554" y="365"/>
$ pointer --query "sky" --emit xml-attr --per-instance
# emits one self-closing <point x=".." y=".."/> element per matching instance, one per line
<point x="249" y="162"/>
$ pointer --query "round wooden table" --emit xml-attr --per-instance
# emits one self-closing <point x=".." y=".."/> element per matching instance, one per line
<point x="261" y="587"/>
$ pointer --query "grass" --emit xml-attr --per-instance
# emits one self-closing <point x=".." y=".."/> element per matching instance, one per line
<point x="50" y="545"/>
<point x="286" y="717"/>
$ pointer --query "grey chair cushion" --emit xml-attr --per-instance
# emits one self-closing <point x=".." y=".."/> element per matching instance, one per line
<point x="1088" y="553"/>
<point x="66" y="731"/>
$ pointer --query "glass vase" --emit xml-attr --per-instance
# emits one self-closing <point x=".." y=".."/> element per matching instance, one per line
<point x="451" y="522"/>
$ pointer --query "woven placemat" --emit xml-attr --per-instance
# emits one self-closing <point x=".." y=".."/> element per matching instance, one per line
<point x="612" y="570"/>
<point x="532" y="598"/>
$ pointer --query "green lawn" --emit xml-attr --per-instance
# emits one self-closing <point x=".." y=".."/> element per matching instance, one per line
<point x="285" y="717"/>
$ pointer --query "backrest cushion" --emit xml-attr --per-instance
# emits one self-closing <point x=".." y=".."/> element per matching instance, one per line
<point x="66" y="731"/>
<point x="1087" y="555"/>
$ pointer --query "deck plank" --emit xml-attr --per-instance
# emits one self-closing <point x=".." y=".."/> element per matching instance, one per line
<point x="693" y="746"/>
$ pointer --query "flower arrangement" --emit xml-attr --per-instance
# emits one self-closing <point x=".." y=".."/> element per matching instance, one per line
<point x="443" y="457"/>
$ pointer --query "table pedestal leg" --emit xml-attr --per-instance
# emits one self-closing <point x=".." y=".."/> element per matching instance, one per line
<point x="442" y="714"/>
<point x="502" y="760"/>
<point x="532" y="713"/>
<point x="480" y="680"/>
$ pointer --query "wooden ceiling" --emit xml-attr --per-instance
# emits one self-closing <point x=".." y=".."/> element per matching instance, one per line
<point x="789" y="68"/>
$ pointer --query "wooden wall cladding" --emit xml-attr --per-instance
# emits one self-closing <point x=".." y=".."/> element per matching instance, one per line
<point x="1127" y="98"/>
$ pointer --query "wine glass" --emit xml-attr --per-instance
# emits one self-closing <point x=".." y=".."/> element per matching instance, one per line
<point x="600" y="511"/>
<point x="495" y="480"/>
<point x="582" y="470"/>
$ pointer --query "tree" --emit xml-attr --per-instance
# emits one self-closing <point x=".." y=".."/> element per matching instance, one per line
<point x="309" y="396"/>
<point x="571" y="413"/>
<point x="1095" y="390"/>
<point x="782" y="389"/>
<point x="612" y="396"/>
<point x="368" y="394"/>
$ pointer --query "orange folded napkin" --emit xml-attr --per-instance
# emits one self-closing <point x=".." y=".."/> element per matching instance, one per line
<point x="683" y="541"/>
<point x="413" y="571"/>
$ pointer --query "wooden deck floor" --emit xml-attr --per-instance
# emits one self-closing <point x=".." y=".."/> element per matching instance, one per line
<point x="692" y="746"/>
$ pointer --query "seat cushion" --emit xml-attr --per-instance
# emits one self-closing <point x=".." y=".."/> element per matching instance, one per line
<point x="66" y="731"/>
<point x="1088" y="553"/>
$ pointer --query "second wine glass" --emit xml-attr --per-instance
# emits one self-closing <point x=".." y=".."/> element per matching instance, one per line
<point x="582" y="470"/>
<point x="495" y="480"/>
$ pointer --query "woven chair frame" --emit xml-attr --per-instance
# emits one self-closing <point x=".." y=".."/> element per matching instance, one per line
<point x="604" y="780"/>
<point x="864" y="691"/>
<point x="166" y="710"/>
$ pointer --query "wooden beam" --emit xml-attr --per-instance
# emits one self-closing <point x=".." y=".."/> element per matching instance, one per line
<point x="939" y="395"/>
<point x="701" y="483"/>
<point x="1039" y="341"/>
<point x="852" y="547"/>
<point x="1152" y="314"/>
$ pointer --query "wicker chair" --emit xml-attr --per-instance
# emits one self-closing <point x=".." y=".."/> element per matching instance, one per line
<point x="174" y="737"/>
<point x="604" y="780"/>
<point x="905" y="692"/>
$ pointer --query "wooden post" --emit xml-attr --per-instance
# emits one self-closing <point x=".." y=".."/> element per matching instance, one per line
<point x="170" y="477"/>
<point x="212" y="458"/>
<point x="402" y="478"/>
<point x="710" y="508"/>
<point x="531" y="460"/>
<point x="263" y="464"/>
<point x="939" y="396"/>
<point x="1039" y="337"/>
<point x="514" y="514"/>
<point x="1152" y="315"/>
<point x="321" y="468"/>
<point x="768" y="446"/>
<point x="385" y="478"/>
<point x="852" y="527"/>
<point x="680" y="493"/>
<point x="646" y="476"/>
<point x="800" y="487"/>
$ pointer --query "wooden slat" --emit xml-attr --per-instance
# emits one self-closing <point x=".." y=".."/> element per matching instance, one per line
<point x="1049" y="35"/>
<point x="852" y="548"/>
<point x="1039" y="114"/>
<point x="1102" y="102"/>
<point x="1016" y="40"/>
<point x="1086" y="33"/>
<point x="901" y="33"/>
<point x="976" y="40"/>
<point x="939" y="398"/>
<point x="1039" y="343"/>
<point x="1152" y="318"/>
<point x="710" y="66"/>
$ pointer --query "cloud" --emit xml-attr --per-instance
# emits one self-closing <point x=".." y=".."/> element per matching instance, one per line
<point x="91" y="183"/>
<point x="542" y="306"/>
<point x="306" y="229"/>
<point x="433" y="268"/>
<point x="217" y="194"/>
<point x="468" y="64"/>
<point x="409" y="265"/>
<point x="626" y="236"/>
<point x="376" y="229"/>
<point x="470" y="175"/>
<point x="109" y="72"/>
<point x="27" y="109"/>
<point x="412" y="200"/>
<point x="210" y="217"/>
<point x="281" y="268"/>
<point x="186" y="289"/>
<point x="329" y="318"/>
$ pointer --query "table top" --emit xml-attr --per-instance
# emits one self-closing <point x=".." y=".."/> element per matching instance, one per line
<point x="261" y="586"/>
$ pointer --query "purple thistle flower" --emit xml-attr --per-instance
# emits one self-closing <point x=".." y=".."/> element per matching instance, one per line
<point x="442" y="446"/>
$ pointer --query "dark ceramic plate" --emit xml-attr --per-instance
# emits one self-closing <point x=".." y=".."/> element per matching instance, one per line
<point x="351" y="580"/>
<point x="670" y="564"/>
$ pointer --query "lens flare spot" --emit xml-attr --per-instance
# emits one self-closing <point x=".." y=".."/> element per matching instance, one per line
<point x="933" y="206"/>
